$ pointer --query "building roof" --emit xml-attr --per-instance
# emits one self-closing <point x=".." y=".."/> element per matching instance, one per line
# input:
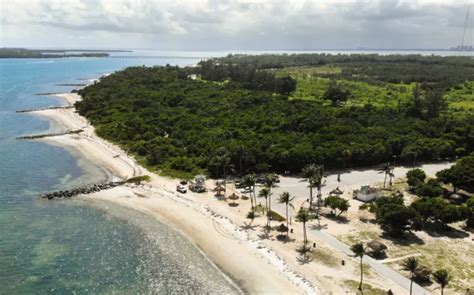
<point x="376" y="245"/>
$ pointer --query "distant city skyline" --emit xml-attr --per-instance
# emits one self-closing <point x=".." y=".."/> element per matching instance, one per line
<point x="235" y="25"/>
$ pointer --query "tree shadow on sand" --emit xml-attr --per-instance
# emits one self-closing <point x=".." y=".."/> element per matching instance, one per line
<point x="367" y="220"/>
<point x="305" y="256"/>
<point x="318" y="227"/>
<point x="265" y="234"/>
<point x="335" y="218"/>
<point x="304" y="259"/>
<point x="406" y="239"/>
<point x="249" y="226"/>
<point x="285" y="239"/>
<point x="437" y="230"/>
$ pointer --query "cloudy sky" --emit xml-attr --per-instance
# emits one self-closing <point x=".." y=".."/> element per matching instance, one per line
<point x="233" y="24"/>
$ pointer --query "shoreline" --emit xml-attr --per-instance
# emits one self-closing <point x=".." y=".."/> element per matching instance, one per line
<point x="160" y="201"/>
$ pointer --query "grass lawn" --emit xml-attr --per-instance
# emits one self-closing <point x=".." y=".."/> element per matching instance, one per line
<point x="312" y="82"/>
<point x="461" y="97"/>
<point x="367" y="289"/>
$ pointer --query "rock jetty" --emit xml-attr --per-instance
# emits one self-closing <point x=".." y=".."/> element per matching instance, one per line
<point x="48" y="93"/>
<point x="50" y="134"/>
<point x="81" y="190"/>
<point x="71" y="84"/>
<point x="42" y="109"/>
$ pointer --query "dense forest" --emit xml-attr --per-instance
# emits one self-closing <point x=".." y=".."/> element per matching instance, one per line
<point x="433" y="71"/>
<point x="234" y="113"/>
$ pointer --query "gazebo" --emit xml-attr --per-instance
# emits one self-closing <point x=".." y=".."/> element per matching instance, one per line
<point x="219" y="190"/>
<point x="233" y="197"/>
<point x="377" y="248"/>
<point x="283" y="230"/>
<point x="336" y="191"/>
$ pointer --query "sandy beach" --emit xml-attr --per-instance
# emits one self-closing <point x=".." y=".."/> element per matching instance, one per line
<point x="255" y="261"/>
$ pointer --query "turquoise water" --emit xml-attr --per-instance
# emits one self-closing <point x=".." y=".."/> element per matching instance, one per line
<point x="67" y="247"/>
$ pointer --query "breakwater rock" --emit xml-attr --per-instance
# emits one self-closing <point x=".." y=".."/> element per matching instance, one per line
<point x="48" y="93"/>
<point x="71" y="84"/>
<point x="42" y="109"/>
<point x="50" y="134"/>
<point x="82" y="190"/>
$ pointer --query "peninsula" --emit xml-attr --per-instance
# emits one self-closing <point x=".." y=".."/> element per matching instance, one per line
<point x="53" y="53"/>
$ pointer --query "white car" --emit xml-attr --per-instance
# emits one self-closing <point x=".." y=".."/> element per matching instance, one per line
<point x="181" y="188"/>
<point x="246" y="191"/>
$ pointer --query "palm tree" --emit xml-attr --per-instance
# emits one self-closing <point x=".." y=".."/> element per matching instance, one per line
<point x="304" y="216"/>
<point x="286" y="198"/>
<point x="309" y="171"/>
<point x="221" y="159"/>
<point x="359" y="251"/>
<point x="225" y="161"/>
<point x="250" y="181"/>
<point x="387" y="169"/>
<point x="410" y="264"/>
<point x="264" y="193"/>
<point x="442" y="277"/>
<point x="270" y="180"/>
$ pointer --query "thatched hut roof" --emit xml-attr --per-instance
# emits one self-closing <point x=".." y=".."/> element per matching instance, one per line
<point x="282" y="228"/>
<point x="376" y="245"/>
<point x="233" y="197"/>
<point x="336" y="191"/>
<point x="219" y="188"/>
<point x="422" y="273"/>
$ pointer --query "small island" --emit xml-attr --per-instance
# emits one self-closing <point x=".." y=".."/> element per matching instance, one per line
<point x="53" y="53"/>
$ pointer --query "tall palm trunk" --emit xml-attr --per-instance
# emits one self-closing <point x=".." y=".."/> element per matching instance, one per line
<point x="361" y="274"/>
<point x="411" y="283"/>
<point x="225" y="183"/>
<point x="254" y="196"/>
<point x="385" y="180"/>
<point x="253" y="207"/>
<point x="319" y="204"/>
<point x="269" y="210"/>
<point x="305" y="236"/>
<point x="310" y="196"/>
<point x="287" y="221"/>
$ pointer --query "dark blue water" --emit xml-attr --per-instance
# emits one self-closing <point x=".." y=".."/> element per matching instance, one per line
<point x="64" y="247"/>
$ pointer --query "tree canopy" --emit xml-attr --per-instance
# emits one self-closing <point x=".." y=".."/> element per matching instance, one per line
<point x="177" y="124"/>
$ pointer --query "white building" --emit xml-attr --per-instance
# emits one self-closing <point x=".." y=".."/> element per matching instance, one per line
<point x="366" y="193"/>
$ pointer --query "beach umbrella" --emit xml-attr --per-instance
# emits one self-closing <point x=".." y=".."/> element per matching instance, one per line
<point x="336" y="191"/>
<point x="233" y="197"/>
<point x="219" y="189"/>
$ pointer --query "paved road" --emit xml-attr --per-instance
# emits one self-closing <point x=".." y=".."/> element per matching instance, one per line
<point x="382" y="269"/>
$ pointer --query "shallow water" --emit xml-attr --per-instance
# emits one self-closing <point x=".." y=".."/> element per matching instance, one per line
<point x="64" y="247"/>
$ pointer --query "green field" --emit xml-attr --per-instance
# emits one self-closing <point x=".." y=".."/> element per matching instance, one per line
<point x="461" y="97"/>
<point x="312" y="82"/>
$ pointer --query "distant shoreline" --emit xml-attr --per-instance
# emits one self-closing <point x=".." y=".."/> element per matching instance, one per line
<point x="54" y="53"/>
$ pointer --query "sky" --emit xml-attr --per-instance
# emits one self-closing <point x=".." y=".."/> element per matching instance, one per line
<point x="234" y="24"/>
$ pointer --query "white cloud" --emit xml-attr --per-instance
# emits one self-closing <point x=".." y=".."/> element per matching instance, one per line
<point x="226" y="24"/>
